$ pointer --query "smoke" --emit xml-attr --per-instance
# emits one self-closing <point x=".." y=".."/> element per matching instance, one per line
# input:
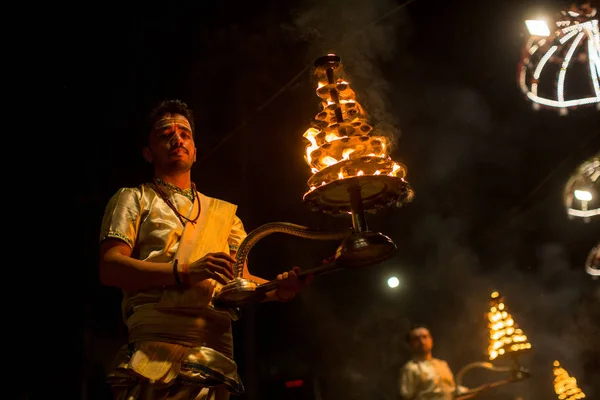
<point x="470" y="163"/>
<point x="450" y="270"/>
<point x="546" y="305"/>
<point x="365" y="34"/>
<point x="360" y="335"/>
<point x="458" y="119"/>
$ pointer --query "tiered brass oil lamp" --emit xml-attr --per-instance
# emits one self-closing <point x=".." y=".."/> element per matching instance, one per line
<point x="352" y="173"/>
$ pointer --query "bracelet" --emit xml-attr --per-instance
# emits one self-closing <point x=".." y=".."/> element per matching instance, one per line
<point x="176" y="272"/>
<point x="281" y="298"/>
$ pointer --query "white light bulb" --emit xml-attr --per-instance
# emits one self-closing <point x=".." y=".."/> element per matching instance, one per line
<point x="537" y="27"/>
<point x="393" y="282"/>
<point x="582" y="195"/>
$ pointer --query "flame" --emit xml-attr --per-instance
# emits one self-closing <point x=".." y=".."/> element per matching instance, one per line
<point x="341" y="134"/>
<point x="505" y="335"/>
<point x="565" y="386"/>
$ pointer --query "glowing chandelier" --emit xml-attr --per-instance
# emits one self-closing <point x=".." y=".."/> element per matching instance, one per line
<point x="592" y="264"/>
<point x="571" y="42"/>
<point x="582" y="191"/>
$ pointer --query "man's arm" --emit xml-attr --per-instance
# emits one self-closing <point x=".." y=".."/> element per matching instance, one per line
<point x="408" y="384"/>
<point x="462" y="393"/>
<point x="120" y="270"/>
<point x="465" y="396"/>
<point x="118" y="233"/>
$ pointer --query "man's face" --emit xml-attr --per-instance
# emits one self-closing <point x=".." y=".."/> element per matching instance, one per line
<point x="420" y="341"/>
<point x="171" y="145"/>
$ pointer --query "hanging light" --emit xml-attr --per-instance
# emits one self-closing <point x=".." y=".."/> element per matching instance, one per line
<point x="567" y="44"/>
<point x="592" y="264"/>
<point x="582" y="191"/>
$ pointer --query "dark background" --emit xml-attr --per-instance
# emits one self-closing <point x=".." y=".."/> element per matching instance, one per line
<point x="488" y="172"/>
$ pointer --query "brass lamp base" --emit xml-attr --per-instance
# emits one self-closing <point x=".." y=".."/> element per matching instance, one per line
<point x="375" y="192"/>
<point x="358" y="250"/>
<point x="238" y="292"/>
<point x="363" y="249"/>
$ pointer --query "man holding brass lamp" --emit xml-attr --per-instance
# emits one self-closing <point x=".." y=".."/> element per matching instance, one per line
<point x="425" y="377"/>
<point x="170" y="248"/>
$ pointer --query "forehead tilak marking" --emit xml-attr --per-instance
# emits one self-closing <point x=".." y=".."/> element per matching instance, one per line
<point x="171" y="121"/>
<point x="420" y="331"/>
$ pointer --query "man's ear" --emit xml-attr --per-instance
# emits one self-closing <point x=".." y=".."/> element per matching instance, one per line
<point x="195" y="152"/>
<point x="147" y="154"/>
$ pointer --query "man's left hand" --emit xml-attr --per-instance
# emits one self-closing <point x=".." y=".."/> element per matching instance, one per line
<point x="290" y="284"/>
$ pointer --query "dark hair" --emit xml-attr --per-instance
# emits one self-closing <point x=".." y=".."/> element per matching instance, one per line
<point x="170" y="106"/>
<point x="412" y="328"/>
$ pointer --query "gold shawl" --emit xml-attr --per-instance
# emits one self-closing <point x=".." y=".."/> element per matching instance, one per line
<point x="182" y="333"/>
<point x="208" y="235"/>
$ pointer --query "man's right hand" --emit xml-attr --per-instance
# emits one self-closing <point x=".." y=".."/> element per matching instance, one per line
<point x="217" y="266"/>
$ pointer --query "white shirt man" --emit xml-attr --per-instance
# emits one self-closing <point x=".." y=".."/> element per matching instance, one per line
<point x="425" y="377"/>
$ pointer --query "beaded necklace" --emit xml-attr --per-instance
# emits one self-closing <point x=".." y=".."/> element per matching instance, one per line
<point x="181" y="217"/>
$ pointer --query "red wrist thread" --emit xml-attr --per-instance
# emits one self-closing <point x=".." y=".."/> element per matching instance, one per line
<point x="185" y="274"/>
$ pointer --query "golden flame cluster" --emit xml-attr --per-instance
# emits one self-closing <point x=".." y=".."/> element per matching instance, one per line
<point x="565" y="386"/>
<point x="505" y="335"/>
<point x="341" y="134"/>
